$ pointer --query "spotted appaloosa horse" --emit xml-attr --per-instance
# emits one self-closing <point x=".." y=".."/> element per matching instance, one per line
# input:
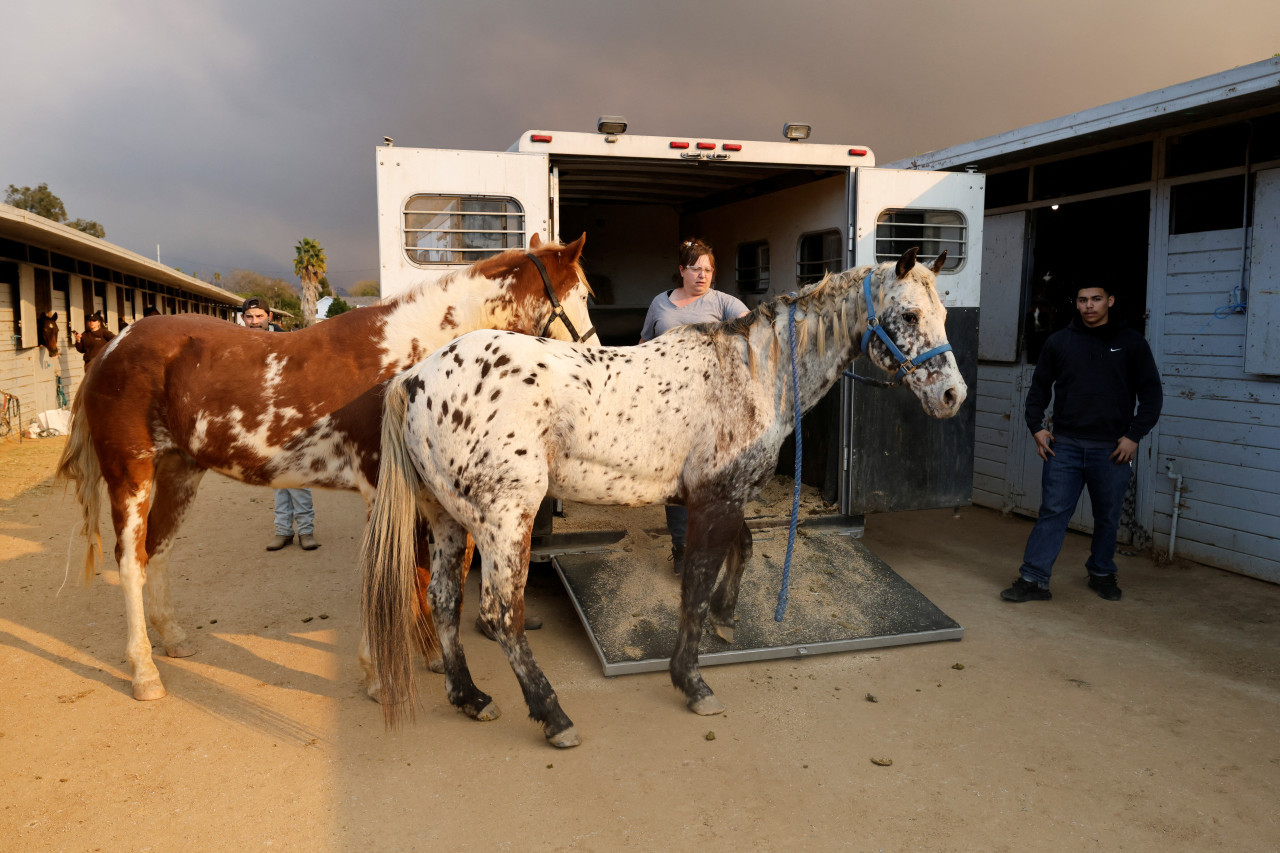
<point x="47" y="332"/>
<point x="477" y="434"/>
<point x="174" y="396"/>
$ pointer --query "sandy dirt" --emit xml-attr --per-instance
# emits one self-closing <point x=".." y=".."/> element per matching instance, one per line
<point x="1076" y="724"/>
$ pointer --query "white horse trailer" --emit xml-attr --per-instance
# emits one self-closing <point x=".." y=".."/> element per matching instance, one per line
<point x="778" y="214"/>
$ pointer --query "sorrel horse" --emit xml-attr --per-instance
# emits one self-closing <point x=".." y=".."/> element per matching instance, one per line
<point x="477" y="434"/>
<point x="47" y="332"/>
<point x="174" y="396"/>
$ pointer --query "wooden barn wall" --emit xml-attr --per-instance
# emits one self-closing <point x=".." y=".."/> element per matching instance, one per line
<point x="1221" y="426"/>
<point x="992" y="435"/>
<point x="28" y="372"/>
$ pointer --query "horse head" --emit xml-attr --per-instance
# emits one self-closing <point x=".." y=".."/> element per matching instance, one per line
<point x="558" y="277"/>
<point x="913" y="317"/>
<point x="47" y="332"/>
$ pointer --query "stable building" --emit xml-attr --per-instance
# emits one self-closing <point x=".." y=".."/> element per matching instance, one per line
<point x="47" y="268"/>
<point x="1172" y="197"/>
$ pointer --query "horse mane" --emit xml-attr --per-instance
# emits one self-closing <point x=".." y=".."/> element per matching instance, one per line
<point x="490" y="267"/>
<point x="823" y="302"/>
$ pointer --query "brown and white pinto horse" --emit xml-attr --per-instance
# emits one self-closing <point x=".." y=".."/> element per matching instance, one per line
<point x="173" y="396"/>
<point x="474" y="437"/>
<point x="47" y="332"/>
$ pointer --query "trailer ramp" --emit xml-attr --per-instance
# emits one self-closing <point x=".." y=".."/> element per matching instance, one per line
<point x="842" y="597"/>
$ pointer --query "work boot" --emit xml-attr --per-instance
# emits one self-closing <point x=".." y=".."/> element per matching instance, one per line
<point x="1024" y="590"/>
<point x="279" y="542"/>
<point x="1105" y="587"/>
<point x="531" y="623"/>
<point x="307" y="542"/>
<point x="677" y="557"/>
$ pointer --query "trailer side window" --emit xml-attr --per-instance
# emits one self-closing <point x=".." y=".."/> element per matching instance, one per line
<point x="930" y="230"/>
<point x="818" y="253"/>
<point x="753" y="267"/>
<point x="444" y="229"/>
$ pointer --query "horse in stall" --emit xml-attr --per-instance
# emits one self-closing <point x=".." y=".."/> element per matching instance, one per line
<point x="173" y="396"/>
<point x="477" y="434"/>
<point x="47" y="332"/>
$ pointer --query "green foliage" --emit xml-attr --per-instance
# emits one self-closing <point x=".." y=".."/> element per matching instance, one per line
<point x="309" y="263"/>
<point x="325" y="289"/>
<point x="365" y="287"/>
<point x="338" y="306"/>
<point x="42" y="202"/>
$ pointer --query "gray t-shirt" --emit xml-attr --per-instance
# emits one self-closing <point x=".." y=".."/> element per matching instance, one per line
<point x="713" y="306"/>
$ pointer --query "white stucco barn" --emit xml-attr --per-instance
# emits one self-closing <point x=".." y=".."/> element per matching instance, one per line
<point x="47" y="268"/>
<point x="1174" y="197"/>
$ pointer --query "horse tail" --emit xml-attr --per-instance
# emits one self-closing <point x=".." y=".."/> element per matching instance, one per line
<point x="388" y="564"/>
<point x="79" y="463"/>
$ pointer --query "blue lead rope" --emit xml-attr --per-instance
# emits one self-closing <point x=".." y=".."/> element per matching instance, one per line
<point x="795" y="500"/>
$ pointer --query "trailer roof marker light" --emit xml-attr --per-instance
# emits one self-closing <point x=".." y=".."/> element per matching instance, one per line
<point x="611" y="125"/>
<point x="731" y="146"/>
<point x="706" y="146"/>
<point x="857" y="152"/>
<point x="539" y="137"/>
<point x="680" y="145"/>
<point x="796" y="132"/>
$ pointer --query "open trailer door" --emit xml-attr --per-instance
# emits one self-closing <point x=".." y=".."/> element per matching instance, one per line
<point x="895" y="457"/>
<point x="441" y="210"/>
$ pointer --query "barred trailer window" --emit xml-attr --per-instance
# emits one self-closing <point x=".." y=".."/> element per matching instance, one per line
<point x="818" y="254"/>
<point x="930" y="230"/>
<point x="450" y="229"/>
<point x="753" y="267"/>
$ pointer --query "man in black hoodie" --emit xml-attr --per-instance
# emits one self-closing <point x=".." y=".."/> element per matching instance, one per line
<point x="1096" y="369"/>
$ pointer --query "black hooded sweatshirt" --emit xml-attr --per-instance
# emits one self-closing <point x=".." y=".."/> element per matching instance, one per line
<point x="1095" y="375"/>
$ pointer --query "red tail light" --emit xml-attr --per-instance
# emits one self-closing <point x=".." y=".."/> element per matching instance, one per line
<point x="706" y="146"/>
<point x="858" y="152"/>
<point x="731" y="146"/>
<point x="679" y="145"/>
<point x="539" y="137"/>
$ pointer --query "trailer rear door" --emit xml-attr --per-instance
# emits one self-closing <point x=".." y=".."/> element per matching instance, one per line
<point x="895" y="457"/>
<point x="441" y="210"/>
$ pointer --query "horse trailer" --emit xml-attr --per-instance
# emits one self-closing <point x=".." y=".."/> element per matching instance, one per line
<point x="779" y="216"/>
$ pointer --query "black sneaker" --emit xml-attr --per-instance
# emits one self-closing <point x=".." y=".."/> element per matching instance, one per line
<point x="1105" y="587"/>
<point x="1024" y="590"/>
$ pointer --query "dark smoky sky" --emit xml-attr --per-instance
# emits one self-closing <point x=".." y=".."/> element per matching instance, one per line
<point x="226" y="131"/>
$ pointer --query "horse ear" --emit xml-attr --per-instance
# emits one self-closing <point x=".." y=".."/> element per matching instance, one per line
<point x="936" y="266"/>
<point x="535" y="241"/>
<point x="55" y="316"/>
<point x="907" y="262"/>
<point x="574" y="249"/>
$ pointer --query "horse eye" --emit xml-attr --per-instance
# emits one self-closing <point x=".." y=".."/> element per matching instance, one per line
<point x="911" y="318"/>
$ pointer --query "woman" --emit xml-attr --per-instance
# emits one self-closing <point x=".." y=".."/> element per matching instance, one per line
<point x="95" y="339"/>
<point x="692" y="302"/>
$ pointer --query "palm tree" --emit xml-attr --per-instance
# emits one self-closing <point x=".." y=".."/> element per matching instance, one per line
<point x="309" y="265"/>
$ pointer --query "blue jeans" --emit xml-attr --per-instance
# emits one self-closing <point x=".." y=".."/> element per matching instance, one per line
<point x="1065" y="475"/>
<point x="294" y="505"/>
<point x="677" y="523"/>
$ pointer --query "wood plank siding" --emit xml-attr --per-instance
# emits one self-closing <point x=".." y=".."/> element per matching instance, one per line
<point x="1221" y="426"/>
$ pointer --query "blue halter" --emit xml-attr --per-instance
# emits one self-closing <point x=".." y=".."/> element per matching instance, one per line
<point x="905" y="365"/>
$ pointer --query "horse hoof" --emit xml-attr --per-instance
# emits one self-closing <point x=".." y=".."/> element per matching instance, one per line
<point x="180" y="650"/>
<point x="707" y="706"/>
<point x="149" y="690"/>
<point x="725" y="632"/>
<point x="565" y="739"/>
<point x="489" y="713"/>
<point x="436" y="665"/>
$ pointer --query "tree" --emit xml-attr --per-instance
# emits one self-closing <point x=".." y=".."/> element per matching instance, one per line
<point x="309" y="264"/>
<point x="365" y="287"/>
<point x="42" y="202"/>
<point x="336" y="307"/>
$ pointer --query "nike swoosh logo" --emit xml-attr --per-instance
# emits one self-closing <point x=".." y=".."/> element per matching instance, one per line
<point x="1118" y="350"/>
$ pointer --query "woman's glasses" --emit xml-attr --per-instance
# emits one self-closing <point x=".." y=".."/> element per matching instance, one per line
<point x="701" y="270"/>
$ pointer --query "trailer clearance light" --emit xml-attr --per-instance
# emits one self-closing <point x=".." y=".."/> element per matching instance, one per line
<point x="795" y="132"/>
<point x="731" y="146"/>
<point x="858" y="152"/>
<point x="679" y="145"/>
<point x="539" y="137"/>
<point x="706" y="146"/>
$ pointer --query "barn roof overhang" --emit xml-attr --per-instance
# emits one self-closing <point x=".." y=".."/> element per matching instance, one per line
<point x="1248" y="87"/>
<point x="27" y="227"/>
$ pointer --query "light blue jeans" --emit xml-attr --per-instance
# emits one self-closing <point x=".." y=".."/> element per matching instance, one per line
<point x="294" y="505"/>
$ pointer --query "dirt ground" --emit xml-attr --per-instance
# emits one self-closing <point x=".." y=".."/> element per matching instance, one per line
<point x="1075" y="724"/>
